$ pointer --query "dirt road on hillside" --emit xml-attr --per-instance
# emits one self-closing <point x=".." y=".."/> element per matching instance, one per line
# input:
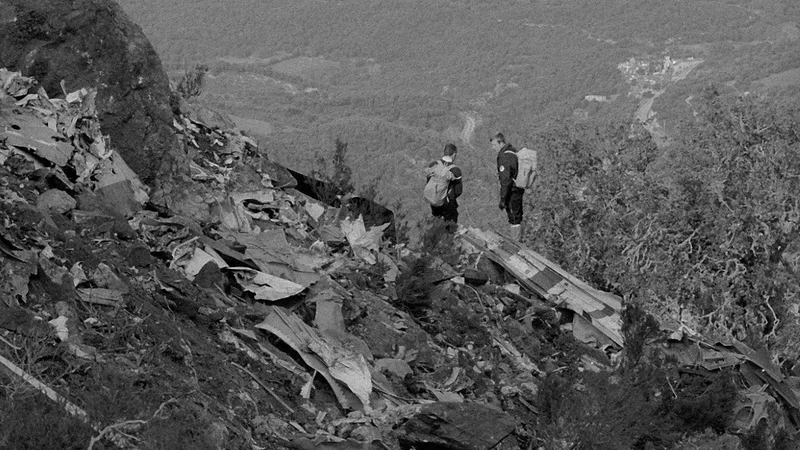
<point x="471" y="120"/>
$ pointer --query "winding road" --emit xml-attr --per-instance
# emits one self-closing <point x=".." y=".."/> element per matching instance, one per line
<point x="471" y="119"/>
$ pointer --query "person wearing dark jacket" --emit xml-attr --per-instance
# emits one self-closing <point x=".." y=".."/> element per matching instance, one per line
<point x="510" y="194"/>
<point x="449" y="210"/>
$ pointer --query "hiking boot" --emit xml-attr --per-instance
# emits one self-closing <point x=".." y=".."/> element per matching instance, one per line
<point x="515" y="232"/>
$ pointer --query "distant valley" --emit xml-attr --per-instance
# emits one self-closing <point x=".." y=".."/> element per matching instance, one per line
<point x="396" y="81"/>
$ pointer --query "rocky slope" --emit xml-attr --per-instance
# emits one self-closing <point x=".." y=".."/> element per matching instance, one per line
<point x="281" y="322"/>
<point x="244" y="314"/>
<point x="66" y="46"/>
<point x="273" y="325"/>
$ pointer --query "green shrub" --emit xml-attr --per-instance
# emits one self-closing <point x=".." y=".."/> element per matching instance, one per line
<point x="593" y="411"/>
<point x="647" y="406"/>
<point x="637" y="328"/>
<point x="414" y="286"/>
<point x="439" y="242"/>
<point x="191" y="84"/>
<point x="183" y="427"/>
<point x="702" y="402"/>
<point x="337" y="180"/>
<point x="32" y="421"/>
<point x="765" y="438"/>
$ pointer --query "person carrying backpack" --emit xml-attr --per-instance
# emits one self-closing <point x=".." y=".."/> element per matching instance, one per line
<point x="443" y="186"/>
<point x="516" y="170"/>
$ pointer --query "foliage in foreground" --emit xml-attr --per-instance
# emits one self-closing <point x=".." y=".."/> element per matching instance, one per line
<point x="33" y="421"/>
<point x="647" y="403"/>
<point x="652" y="407"/>
<point x="706" y="232"/>
<point x="191" y="83"/>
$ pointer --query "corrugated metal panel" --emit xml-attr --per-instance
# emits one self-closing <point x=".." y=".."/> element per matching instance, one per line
<point x="546" y="279"/>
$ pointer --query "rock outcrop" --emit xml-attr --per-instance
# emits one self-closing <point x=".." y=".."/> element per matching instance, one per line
<point x="68" y="45"/>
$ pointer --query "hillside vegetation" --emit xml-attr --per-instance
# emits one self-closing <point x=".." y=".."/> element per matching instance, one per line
<point x="705" y="233"/>
<point x="705" y="226"/>
<point x="394" y="80"/>
<point x="245" y="314"/>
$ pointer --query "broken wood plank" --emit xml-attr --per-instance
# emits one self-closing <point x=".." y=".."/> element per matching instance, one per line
<point x="70" y="407"/>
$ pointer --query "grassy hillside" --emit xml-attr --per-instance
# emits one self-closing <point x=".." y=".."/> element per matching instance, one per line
<point x="395" y="80"/>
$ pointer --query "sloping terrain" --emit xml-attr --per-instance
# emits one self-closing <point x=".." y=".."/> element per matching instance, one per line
<point x="67" y="46"/>
<point x="227" y="309"/>
<point x="402" y="75"/>
<point x="286" y="323"/>
<point x="262" y="329"/>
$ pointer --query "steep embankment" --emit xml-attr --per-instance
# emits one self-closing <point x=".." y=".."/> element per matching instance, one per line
<point x="92" y="43"/>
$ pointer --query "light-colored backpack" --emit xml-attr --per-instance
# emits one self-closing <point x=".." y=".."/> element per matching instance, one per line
<point x="436" y="189"/>
<point x="526" y="168"/>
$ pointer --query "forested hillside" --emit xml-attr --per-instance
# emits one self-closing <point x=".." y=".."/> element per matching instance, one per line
<point x="396" y="80"/>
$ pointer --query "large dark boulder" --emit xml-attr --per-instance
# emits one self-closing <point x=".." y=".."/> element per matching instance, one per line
<point x="93" y="44"/>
